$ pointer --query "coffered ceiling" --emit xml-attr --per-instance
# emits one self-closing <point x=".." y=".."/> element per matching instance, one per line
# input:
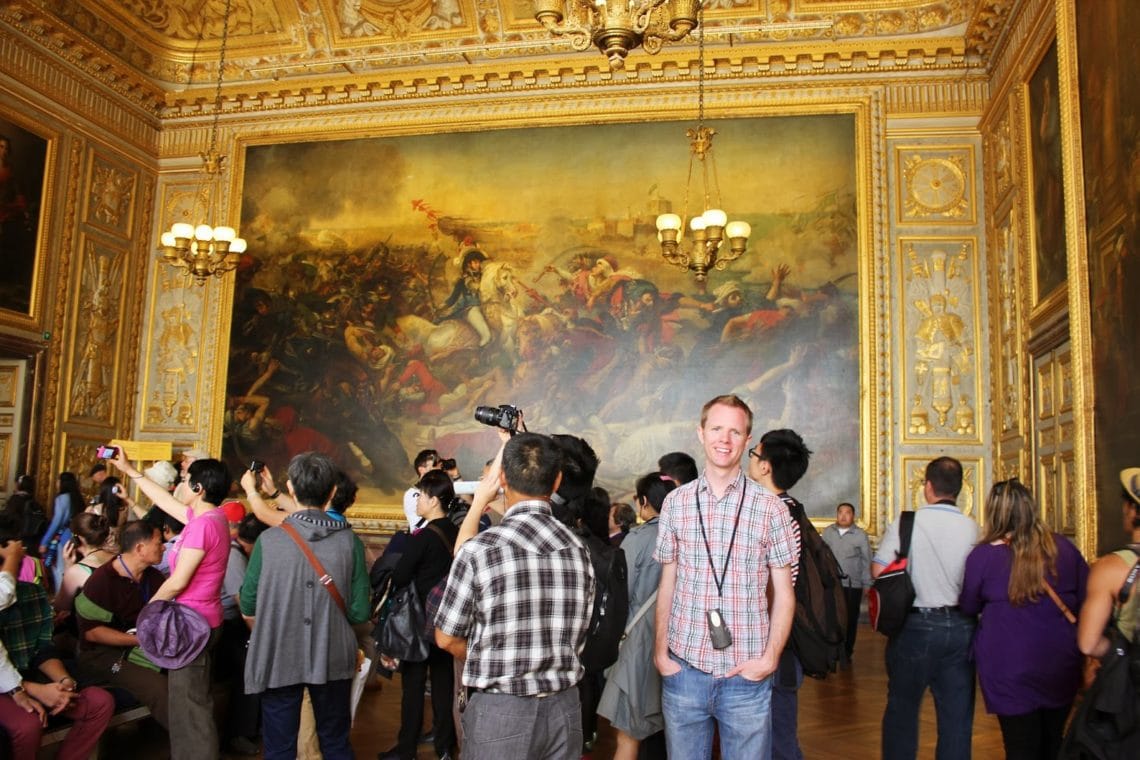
<point x="167" y="51"/>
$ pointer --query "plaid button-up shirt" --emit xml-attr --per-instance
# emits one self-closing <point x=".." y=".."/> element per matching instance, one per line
<point x="764" y="540"/>
<point x="521" y="594"/>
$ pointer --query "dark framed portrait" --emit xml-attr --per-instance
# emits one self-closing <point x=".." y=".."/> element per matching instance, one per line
<point x="23" y="166"/>
<point x="1050" y="265"/>
<point x="394" y="284"/>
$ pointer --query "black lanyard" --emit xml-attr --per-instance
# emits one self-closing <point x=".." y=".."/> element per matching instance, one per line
<point x="732" y="541"/>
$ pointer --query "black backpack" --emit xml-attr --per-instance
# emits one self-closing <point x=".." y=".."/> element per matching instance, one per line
<point x="1106" y="724"/>
<point x="611" y="605"/>
<point x="819" y="628"/>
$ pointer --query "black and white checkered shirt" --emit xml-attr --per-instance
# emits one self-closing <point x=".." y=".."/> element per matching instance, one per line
<point x="521" y="594"/>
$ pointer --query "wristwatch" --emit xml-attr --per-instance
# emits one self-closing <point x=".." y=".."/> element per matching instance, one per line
<point x="18" y="690"/>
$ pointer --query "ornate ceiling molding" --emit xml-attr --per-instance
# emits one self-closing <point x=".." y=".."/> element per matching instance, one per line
<point x="161" y="54"/>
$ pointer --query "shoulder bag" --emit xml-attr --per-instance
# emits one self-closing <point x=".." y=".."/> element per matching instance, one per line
<point x="892" y="593"/>
<point x="323" y="577"/>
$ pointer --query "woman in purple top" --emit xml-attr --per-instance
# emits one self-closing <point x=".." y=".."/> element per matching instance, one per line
<point x="1029" y="666"/>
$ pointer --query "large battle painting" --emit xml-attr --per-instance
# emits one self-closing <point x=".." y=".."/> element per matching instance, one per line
<point x="1109" y="62"/>
<point x="394" y="284"/>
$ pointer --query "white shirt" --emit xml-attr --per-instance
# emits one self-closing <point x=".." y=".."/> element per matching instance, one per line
<point x="410" y="498"/>
<point x="942" y="538"/>
<point x="10" y="678"/>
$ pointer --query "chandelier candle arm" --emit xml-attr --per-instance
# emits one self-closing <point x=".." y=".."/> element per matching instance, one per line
<point x="205" y="251"/>
<point x="711" y="226"/>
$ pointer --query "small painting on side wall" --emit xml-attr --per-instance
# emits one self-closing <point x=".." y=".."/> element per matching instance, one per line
<point x="1049" y="262"/>
<point x="23" y="157"/>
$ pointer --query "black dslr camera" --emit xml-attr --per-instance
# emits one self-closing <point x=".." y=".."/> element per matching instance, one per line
<point x="505" y="416"/>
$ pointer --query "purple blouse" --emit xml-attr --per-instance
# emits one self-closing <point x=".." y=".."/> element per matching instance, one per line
<point x="1027" y="656"/>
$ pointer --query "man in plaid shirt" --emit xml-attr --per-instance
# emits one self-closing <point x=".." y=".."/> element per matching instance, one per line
<point x="517" y="606"/>
<point x="721" y="539"/>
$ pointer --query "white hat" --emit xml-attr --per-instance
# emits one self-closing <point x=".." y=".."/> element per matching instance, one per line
<point x="162" y="473"/>
<point x="1130" y="479"/>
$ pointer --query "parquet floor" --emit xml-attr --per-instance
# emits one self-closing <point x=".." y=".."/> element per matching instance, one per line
<point x="839" y="718"/>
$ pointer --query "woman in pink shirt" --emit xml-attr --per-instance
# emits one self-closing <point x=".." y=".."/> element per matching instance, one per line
<point x="197" y="569"/>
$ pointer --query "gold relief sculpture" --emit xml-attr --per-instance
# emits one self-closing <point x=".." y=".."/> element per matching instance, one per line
<point x="154" y="414"/>
<point x="1009" y="358"/>
<point x="915" y="469"/>
<point x="1009" y="467"/>
<point x="943" y="351"/>
<point x="999" y="151"/>
<point x="964" y="417"/>
<point x="111" y="193"/>
<point x="919" y="417"/>
<point x="203" y="20"/>
<point x="935" y="188"/>
<point x="175" y="350"/>
<point x="8" y="377"/>
<point x="96" y="330"/>
<point x="1045" y="403"/>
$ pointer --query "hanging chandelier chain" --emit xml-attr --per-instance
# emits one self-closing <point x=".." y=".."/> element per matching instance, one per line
<point x="218" y="89"/>
<point x="701" y="65"/>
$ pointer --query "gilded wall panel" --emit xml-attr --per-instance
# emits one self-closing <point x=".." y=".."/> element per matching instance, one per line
<point x="939" y="321"/>
<point x="971" y="499"/>
<point x="1007" y="328"/>
<point x="999" y="159"/>
<point x="935" y="185"/>
<point x="111" y="194"/>
<point x="96" y="324"/>
<point x="171" y="354"/>
<point x="77" y="453"/>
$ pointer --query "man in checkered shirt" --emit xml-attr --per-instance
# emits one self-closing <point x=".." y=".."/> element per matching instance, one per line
<point x="721" y="539"/>
<point x="517" y="606"/>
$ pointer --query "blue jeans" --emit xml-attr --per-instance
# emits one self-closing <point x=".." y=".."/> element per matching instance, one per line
<point x="281" y="719"/>
<point x="785" y="707"/>
<point x="932" y="651"/>
<point x="692" y="699"/>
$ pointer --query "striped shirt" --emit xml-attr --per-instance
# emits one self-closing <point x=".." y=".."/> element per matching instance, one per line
<point x="765" y="539"/>
<point x="521" y="594"/>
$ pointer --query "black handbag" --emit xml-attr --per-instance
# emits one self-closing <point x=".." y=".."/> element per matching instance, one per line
<point x="892" y="593"/>
<point x="400" y="633"/>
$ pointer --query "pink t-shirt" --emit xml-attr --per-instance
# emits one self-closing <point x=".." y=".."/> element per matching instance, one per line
<point x="209" y="532"/>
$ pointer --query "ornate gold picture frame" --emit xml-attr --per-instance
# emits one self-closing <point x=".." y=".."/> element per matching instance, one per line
<point x="27" y="158"/>
<point x="347" y="330"/>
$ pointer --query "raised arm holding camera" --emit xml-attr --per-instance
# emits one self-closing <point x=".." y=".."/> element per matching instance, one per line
<point x="198" y="567"/>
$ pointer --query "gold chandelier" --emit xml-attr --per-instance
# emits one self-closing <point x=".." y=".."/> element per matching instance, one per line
<point x="204" y="250"/>
<point x="711" y="227"/>
<point x="618" y="26"/>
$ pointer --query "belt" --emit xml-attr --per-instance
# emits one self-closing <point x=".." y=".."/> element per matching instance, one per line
<point x="934" y="610"/>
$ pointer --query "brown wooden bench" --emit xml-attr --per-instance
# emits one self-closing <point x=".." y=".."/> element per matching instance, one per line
<point x="57" y="735"/>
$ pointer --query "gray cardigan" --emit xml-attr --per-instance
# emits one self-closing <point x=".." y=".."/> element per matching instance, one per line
<point x="299" y="634"/>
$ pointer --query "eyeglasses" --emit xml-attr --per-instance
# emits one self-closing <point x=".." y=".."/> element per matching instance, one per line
<point x="752" y="452"/>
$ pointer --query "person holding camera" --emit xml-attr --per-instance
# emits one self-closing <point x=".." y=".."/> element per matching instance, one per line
<point x="87" y="550"/>
<point x="197" y="568"/>
<point x="517" y="607"/>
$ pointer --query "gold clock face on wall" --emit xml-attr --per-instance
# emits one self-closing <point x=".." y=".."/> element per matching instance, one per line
<point x="937" y="185"/>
